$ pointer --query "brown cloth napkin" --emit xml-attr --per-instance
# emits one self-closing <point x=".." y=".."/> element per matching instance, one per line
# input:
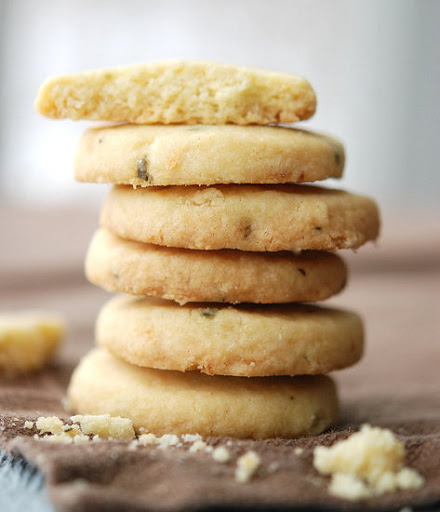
<point x="397" y="385"/>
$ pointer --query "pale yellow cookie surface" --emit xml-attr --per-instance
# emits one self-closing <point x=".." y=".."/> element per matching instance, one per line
<point x="245" y="217"/>
<point x="168" y="402"/>
<point x="178" y="92"/>
<point x="205" y="155"/>
<point x="28" y="340"/>
<point x="251" y="341"/>
<point x="186" y="275"/>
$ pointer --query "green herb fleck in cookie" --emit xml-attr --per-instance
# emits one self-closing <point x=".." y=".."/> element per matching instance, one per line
<point x="142" y="172"/>
<point x="209" y="312"/>
<point x="247" y="231"/>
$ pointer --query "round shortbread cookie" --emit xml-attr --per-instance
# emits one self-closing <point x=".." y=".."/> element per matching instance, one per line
<point x="179" y="91"/>
<point x="186" y="275"/>
<point x="205" y="155"/>
<point x="169" y="402"/>
<point x="245" y="217"/>
<point x="248" y="341"/>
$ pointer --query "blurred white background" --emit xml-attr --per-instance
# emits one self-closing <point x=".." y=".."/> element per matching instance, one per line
<point x="374" y="64"/>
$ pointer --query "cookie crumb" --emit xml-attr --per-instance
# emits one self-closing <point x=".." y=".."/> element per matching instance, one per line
<point x="408" y="478"/>
<point x="349" y="487"/>
<point x="72" y="430"/>
<point x="50" y="425"/>
<point x="81" y="439"/>
<point x="368" y="463"/>
<point x="168" y="440"/>
<point x="273" y="466"/>
<point x="106" y="426"/>
<point x="99" y="426"/>
<point x="190" y="438"/>
<point x="198" y="446"/>
<point x="247" y="465"/>
<point x="146" y="439"/>
<point x="28" y="424"/>
<point x="221" y="454"/>
<point x="133" y="445"/>
<point x="28" y="341"/>
<point x="56" y="438"/>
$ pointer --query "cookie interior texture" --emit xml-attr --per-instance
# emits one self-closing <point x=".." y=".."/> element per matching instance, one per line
<point x="186" y="275"/>
<point x="244" y="217"/>
<point x="165" y="401"/>
<point x="177" y="91"/>
<point x="246" y="340"/>
<point x="144" y="155"/>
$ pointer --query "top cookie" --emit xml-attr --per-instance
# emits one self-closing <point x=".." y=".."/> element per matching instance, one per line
<point x="178" y="92"/>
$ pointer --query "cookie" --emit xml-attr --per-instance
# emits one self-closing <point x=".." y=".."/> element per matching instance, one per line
<point x="205" y="155"/>
<point x="186" y="275"/>
<point x="169" y="402"/>
<point x="28" y="340"/>
<point x="245" y="217"/>
<point x="179" y="92"/>
<point x="246" y="340"/>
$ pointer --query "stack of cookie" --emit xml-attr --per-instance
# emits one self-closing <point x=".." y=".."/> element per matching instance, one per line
<point x="217" y="247"/>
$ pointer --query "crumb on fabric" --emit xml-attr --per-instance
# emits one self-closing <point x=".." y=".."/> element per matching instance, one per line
<point x="198" y="446"/>
<point x="191" y="438"/>
<point x="72" y="430"/>
<point x="273" y="466"/>
<point x="81" y="439"/>
<point x="52" y="428"/>
<point x="106" y="426"/>
<point x="55" y="438"/>
<point x="49" y="424"/>
<point x="221" y="454"/>
<point x="168" y="440"/>
<point x="368" y="463"/>
<point x="247" y="465"/>
<point x="146" y="439"/>
<point x="93" y="428"/>
<point x="133" y="445"/>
